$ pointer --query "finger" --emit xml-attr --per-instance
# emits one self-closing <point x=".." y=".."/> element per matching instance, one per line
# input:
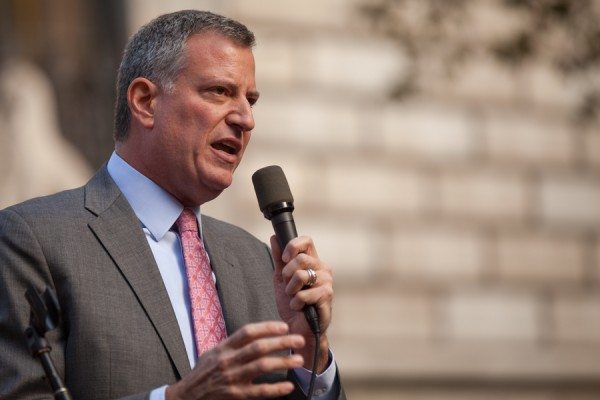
<point x="301" y="244"/>
<point x="251" y="332"/>
<point x="265" y="365"/>
<point x="324" y="311"/>
<point x="263" y="347"/>
<point x="300" y="262"/>
<point x="299" y="279"/>
<point x="263" y="390"/>
<point x="321" y="298"/>
<point x="317" y="295"/>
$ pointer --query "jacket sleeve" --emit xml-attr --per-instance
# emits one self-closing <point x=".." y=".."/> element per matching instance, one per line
<point x="22" y="263"/>
<point x="299" y="394"/>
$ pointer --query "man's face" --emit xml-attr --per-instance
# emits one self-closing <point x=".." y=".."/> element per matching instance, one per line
<point x="202" y="126"/>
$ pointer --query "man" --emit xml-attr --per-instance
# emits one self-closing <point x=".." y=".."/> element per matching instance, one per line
<point x="126" y="253"/>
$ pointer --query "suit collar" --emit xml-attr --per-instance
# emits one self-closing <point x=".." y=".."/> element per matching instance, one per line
<point x="119" y="231"/>
<point x="100" y="192"/>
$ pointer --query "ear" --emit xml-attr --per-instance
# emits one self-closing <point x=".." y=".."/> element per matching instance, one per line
<point x="141" y="96"/>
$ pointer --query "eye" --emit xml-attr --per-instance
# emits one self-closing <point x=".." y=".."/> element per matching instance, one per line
<point x="220" y="90"/>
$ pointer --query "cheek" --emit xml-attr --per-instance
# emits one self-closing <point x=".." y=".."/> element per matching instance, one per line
<point x="246" y="138"/>
<point x="245" y="141"/>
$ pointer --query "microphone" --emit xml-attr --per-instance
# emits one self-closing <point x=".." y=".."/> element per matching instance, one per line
<point x="276" y="202"/>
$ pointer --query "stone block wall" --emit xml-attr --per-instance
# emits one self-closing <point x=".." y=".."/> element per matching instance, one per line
<point x="461" y="222"/>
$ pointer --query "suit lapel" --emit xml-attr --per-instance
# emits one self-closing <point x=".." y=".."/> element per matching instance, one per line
<point x="230" y="278"/>
<point x="119" y="231"/>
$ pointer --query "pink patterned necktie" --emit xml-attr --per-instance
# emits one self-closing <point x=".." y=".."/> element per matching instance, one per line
<point x="209" y="325"/>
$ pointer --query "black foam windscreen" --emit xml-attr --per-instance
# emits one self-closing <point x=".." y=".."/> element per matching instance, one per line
<point x="271" y="187"/>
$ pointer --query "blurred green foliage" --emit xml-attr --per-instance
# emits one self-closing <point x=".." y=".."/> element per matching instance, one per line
<point x="562" y="33"/>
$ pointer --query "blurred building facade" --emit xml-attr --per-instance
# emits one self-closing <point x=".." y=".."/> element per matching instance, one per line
<point x="456" y="196"/>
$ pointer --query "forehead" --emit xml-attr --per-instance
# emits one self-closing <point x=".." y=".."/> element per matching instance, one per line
<point x="213" y="51"/>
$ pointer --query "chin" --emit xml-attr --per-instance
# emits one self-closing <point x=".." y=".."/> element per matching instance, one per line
<point x="220" y="181"/>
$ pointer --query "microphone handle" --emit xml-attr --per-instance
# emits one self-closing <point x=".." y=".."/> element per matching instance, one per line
<point x="285" y="230"/>
<point x="284" y="227"/>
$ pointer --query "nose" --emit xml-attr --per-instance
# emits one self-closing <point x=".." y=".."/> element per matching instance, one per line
<point x="241" y="116"/>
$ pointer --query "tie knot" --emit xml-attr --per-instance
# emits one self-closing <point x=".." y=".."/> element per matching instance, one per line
<point x="187" y="221"/>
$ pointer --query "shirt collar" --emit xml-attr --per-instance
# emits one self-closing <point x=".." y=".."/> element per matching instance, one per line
<point x="156" y="209"/>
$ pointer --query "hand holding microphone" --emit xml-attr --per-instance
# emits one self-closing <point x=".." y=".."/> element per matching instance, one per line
<point x="302" y="281"/>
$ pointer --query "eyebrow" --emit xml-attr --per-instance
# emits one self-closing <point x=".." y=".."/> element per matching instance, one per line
<point x="255" y="94"/>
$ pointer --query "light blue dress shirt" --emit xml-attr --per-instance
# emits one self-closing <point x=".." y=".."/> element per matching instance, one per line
<point x="157" y="210"/>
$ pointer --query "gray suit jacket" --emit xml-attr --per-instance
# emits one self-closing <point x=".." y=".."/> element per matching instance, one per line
<point x="119" y="335"/>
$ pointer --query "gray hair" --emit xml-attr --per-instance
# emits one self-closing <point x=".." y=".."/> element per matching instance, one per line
<point x="156" y="53"/>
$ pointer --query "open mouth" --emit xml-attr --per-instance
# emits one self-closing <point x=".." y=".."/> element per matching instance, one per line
<point x="229" y="149"/>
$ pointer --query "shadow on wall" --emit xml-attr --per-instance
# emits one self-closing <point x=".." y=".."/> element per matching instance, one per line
<point x="34" y="158"/>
